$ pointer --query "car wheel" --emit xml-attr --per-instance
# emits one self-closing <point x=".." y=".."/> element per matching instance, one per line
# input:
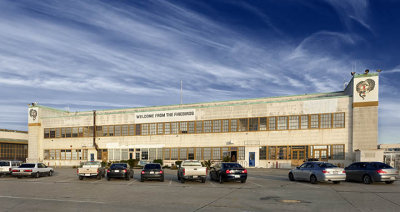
<point x="389" y="182"/>
<point x="99" y="177"/>
<point x="220" y="179"/>
<point x="182" y="180"/>
<point x="127" y="178"/>
<point x="203" y="180"/>
<point x="141" y="179"/>
<point x="336" y="182"/>
<point x="313" y="179"/>
<point x="162" y="179"/>
<point x="367" y="179"/>
<point x="179" y="178"/>
<point x="108" y="178"/>
<point x="243" y="181"/>
<point x="37" y="175"/>
<point x="19" y="177"/>
<point x="291" y="177"/>
<point x="50" y="173"/>
<point x="80" y="178"/>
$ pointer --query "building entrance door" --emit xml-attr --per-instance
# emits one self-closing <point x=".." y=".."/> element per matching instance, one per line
<point x="252" y="159"/>
<point x="321" y="154"/>
<point x="104" y="156"/>
<point x="234" y="156"/>
<point x="298" y="157"/>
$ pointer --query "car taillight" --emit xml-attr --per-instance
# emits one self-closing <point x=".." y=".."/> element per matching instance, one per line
<point x="9" y="169"/>
<point x="15" y="170"/>
<point x="161" y="172"/>
<point x="28" y="170"/>
<point x="227" y="171"/>
<point x="98" y="171"/>
<point x="142" y="172"/>
<point x="77" y="171"/>
<point x="344" y="172"/>
<point x="324" y="171"/>
<point x="244" y="171"/>
<point x="183" y="171"/>
<point x="380" y="171"/>
<point x="124" y="170"/>
<point x="108" y="170"/>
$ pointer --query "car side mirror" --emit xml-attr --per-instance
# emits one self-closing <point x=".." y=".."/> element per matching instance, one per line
<point x="298" y="167"/>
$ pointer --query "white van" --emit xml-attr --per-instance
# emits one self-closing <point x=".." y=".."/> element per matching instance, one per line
<point x="6" y="166"/>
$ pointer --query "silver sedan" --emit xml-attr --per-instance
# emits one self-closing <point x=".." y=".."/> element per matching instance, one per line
<point x="318" y="172"/>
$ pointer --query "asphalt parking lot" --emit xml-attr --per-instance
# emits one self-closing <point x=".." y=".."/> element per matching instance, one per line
<point x="265" y="190"/>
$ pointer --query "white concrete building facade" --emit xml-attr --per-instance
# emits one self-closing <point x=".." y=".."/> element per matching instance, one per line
<point x="264" y="132"/>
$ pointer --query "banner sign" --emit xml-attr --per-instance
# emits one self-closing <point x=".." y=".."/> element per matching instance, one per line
<point x="165" y="116"/>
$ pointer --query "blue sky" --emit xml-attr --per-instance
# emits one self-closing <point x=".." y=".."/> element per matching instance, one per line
<point x="85" y="55"/>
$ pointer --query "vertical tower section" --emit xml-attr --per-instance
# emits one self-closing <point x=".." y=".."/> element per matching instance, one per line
<point x="34" y="135"/>
<point x="365" y="110"/>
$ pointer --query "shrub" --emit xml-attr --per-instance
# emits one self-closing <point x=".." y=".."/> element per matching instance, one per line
<point x="207" y="163"/>
<point x="160" y="161"/>
<point x="178" y="162"/>
<point x="226" y="159"/>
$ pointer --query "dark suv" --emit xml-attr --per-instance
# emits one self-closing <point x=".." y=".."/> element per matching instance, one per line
<point x="369" y="172"/>
<point x="152" y="171"/>
<point x="119" y="170"/>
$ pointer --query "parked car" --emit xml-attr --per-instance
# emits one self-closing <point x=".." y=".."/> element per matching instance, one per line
<point x="6" y="166"/>
<point x="192" y="170"/>
<point x="33" y="170"/>
<point x="120" y="170"/>
<point x="318" y="172"/>
<point x="152" y="171"/>
<point x="369" y="172"/>
<point x="228" y="172"/>
<point x="91" y="169"/>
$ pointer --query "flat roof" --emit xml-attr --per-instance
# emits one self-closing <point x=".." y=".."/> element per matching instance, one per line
<point x="16" y="131"/>
<point x="13" y="141"/>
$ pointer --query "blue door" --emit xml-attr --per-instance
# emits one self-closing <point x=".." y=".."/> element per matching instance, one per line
<point x="92" y="156"/>
<point x="252" y="159"/>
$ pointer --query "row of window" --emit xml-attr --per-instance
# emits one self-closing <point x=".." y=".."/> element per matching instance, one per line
<point x="321" y="152"/>
<point x="13" y="151"/>
<point x="65" y="154"/>
<point x="298" y="122"/>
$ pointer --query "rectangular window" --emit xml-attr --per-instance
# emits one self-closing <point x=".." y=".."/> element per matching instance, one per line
<point x="314" y="121"/>
<point x="199" y="126"/>
<point x="198" y="154"/>
<point x="85" y="132"/>
<point x="68" y="154"/>
<point x="63" y="154"/>
<point x="68" y="132"/>
<point x="117" y="130"/>
<point x="338" y="120"/>
<point x="253" y="124"/>
<point x="52" y="154"/>
<point x="160" y="128"/>
<point x="46" y="154"/>
<point x="263" y="153"/>
<point x="241" y="153"/>
<point x="282" y="152"/>
<point x="75" y="132"/>
<point x="145" y="129"/>
<point x="166" y="154"/>
<point x="131" y="129"/>
<point x="225" y="125"/>
<point x="338" y="152"/>
<point x="167" y="128"/>
<point x="326" y="120"/>
<point x="74" y="155"/>
<point x="58" y="154"/>
<point x="182" y="154"/>
<point x="282" y="123"/>
<point x="293" y="122"/>
<point x="207" y="126"/>
<point x="99" y="131"/>
<point x="124" y="130"/>
<point x="174" y="154"/>
<point x="263" y="123"/>
<point x="207" y="153"/>
<point x="271" y="153"/>
<point x="52" y="133"/>
<point x="217" y="126"/>
<point x="234" y="125"/>
<point x="90" y="131"/>
<point x="191" y="127"/>
<point x="152" y="154"/>
<point x="243" y="125"/>
<point x="138" y="129"/>
<point x="174" y="128"/>
<point x="183" y="127"/>
<point x="110" y="130"/>
<point x="62" y="132"/>
<point x="46" y="133"/>
<point x="105" y="130"/>
<point x="216" y="154"/>
<point x="153" y="129"/>
<point x="304" y="122"/>
<point x="80" y="132"/>
<point x="271" y="123"/>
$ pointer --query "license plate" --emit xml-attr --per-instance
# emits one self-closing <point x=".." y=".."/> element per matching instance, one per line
<point x="87" y="174"/>
<point x="392" y="178"/>
<point x="237" y="176"/>
<point x="151" y="172"/>
<point x="116" y="170"/>
<point x="194" y="176"/>
<point x="335" y="172"/>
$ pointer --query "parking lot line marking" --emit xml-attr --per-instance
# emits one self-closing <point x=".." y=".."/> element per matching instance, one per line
<point x="213" y="184"/>
<point x="132" y="182"/>
<point x="256" y="184"/>
<point x="46" y="199"/>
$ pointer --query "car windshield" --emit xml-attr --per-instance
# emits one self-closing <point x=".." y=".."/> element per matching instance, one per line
<point x="27" y="165"/>
<point x="3" y="163"/>
<point x="191" y="163"/>
<point x="232" y="165"/>
<point x="152" y="166"/>
<point x="91" y="163"/>
<point x="326" y="165"/>
<point x="119" y="165"/>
